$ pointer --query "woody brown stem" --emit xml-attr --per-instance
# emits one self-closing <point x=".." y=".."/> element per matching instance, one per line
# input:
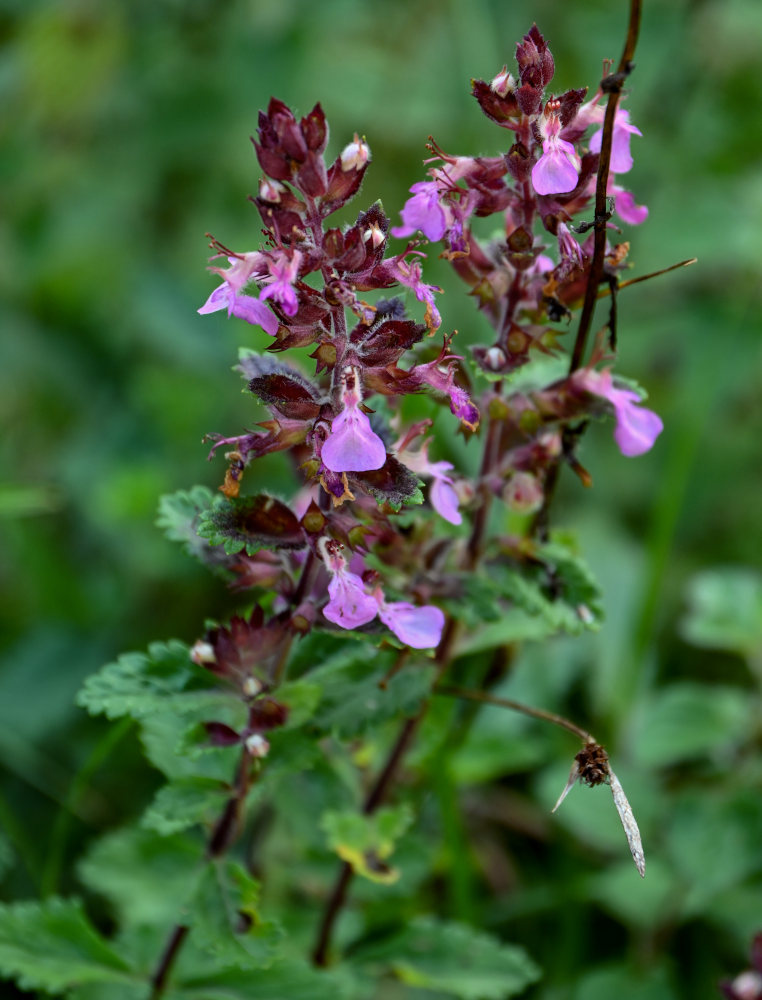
<point x="516" y="706"/>
<point x="612" y="85"/>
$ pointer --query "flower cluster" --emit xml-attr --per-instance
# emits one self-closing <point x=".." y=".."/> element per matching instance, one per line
<point x="369" y="352"/>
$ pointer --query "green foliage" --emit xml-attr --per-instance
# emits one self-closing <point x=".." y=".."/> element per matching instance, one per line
<point x="454" y="960"/>
<point x="52" y="946"/>
<point x="146" y="878"/>
<point x="185" y="802"/>
<point x="126" y="140"/>
<point x="726" y="611"/>
<point x="225" y="919"/>
<point x="367" y="841"/>
<point x="250" y="523"/>
<point x="140" y="684"/>
<point x="179" y="516"/>
<point x="688" y="720"/>
<point x="358" y="693"/>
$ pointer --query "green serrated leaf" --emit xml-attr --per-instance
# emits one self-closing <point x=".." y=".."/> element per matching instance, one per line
<point x="138" y="684"/>
<point x="367" y="841"/>
<point x="293" y="978"/>
<point x="225" y="920"/>
<point x="52" y="946"/>
<point x="179" y="516"/>
<point x="144" y="876"/>
<point x="455" y="960"/>
<point x="354" y="700"/>
<point x="184" y="803"/>
<point x="251" y="523"/>
<point x="171" y="742"/>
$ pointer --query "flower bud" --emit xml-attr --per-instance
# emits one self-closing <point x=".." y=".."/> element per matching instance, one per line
<point x="270" y="191"/>
<point x="375" y="235"/>
<point x="523" y="493"/>
<point x="355" y="155"/>
<point x="503" y="84"/>
<point x="495" y="358"/>
<point x="257" y="745"/>
<point x="252" y="686"/>
<point x="202" y="653"/>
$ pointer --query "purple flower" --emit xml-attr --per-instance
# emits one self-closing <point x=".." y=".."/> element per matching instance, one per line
<point x="444" y="381"/>
<point x="621" y="157"/>
<point x="625" y="206"/>
<point x="418" y="627"/>
<point x="352" y="445"/>
<point x="226" y="296"/>
<point x="423" y="212"/>
<point x="636" y="426"/>
<point x="348" y="606"/>
<point x="409" y="273"/>
<point x="283" y="273"/>
<point x="557" y="170"/>
<point x="443" y="497"/>
<point x="568" y="247"/>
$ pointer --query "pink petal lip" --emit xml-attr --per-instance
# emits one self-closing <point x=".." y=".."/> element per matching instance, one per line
<point x="352" y="445"/>
<point x="349" y="606"/>
<point x="554" y="173"/>
<point x="417" y="627"/>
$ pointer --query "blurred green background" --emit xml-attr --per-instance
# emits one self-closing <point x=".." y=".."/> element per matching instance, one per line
<point x="123" y="139"/>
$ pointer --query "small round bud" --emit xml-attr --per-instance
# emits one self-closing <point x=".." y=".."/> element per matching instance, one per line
<point x="270" y="190"/>
<point x="355" y="155"/>
<point x="375" y="235"/>
<point x="202" y="653"/>
<point x="503" y="83"/>
<point x="257" y="745"/>
<point x="495" y="358"/>
<point x="252" y="686"/>
<point x="523" y="493"/>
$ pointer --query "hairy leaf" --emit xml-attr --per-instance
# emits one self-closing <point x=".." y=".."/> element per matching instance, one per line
<point x="357" y="695"/>
<point x="292" y="978"/>
<point x="139" y="684"/>
<point x="183" y="803"/>
<point x="251" y="523"/>
<point x="52" y="946"/>
<point x="455" y="960"/>
<point x="179" y="516"/>
<point x="392" y="484"/>
<point x="225" y="920"/>
<point x="367" y="841"/>
<point x="145" y="877"/>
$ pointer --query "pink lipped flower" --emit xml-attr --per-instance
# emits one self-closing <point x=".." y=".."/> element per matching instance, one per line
<point x="621" y="157"/>
<point x="348" y="605"/>
<point x="244" y="268"/>
<point x="442" y="495"/>
<point x="283" y="272"/>
<point x="352" y="445"/>
<point x="409" y="273"/>
<point x="557" y="170"/>
<point x="423" y="211"/>
<point x="624" y="204"/>
<point x="418" y="627"/>
<point x="444" y="381"/>
<point x="636" y="426"/>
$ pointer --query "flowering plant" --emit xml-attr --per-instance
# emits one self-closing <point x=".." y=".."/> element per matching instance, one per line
<point x="376" y="588"/>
